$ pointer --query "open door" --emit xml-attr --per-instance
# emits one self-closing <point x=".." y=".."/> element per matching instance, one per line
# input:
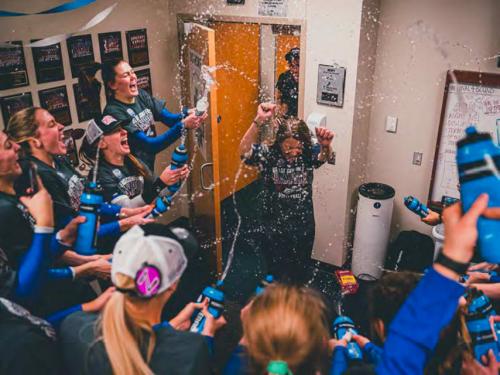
<point x="204" y="187"/>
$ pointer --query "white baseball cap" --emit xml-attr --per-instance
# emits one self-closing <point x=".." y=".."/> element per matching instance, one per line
<point x="155" y="262"/>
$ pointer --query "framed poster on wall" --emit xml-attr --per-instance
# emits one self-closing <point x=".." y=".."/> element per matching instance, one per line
<point x="13" y="71"/>
<point x="81" y="53"/>
<point x="137" y="44"/>
<point x="110" y="46"/>
<point x="144" y="80"/>
<point x="85" y="109"/>
<point x="14" y="103"/>
<point x="55" y="100"/>
<point x="48" y="63"/>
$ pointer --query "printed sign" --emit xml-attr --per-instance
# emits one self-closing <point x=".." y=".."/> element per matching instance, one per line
<point x="144" y="80"/>
<point x="13" y="67"/>
<point x="276" y="8"/>
<point x="85" y="108"/>
<point x="137" y="44"/>
<point x="48" y="63"/>
<point x="14" y="103"/>
<point x="110" y="46"/>
<point x="331" y="83"/>
<point x="81" y="53"/>
<point x="55" y="101"/>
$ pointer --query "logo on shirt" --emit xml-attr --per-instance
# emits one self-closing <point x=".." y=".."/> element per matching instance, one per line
<point x="144" y="120"/>
<point x="117" y="173"/>
<point x="131" y="112"/>
<point x="75" y="190"/>
<point x="290" y="181"/>
<point x="131" y="186"/>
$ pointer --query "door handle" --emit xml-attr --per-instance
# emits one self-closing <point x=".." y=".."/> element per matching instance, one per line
<point x="202" y="179"/>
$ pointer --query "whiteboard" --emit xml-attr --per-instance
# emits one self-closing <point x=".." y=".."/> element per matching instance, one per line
<point x="474" y="99"/>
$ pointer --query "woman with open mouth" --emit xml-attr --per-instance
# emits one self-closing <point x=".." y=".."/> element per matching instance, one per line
<point x="125" y="180"/>
<point x="128" y="102"/>
<point x="41" y="139"/>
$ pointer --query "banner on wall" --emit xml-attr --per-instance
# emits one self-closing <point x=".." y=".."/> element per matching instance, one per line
<point x="110" y="46"/>
<point x="85" y="109"/>
<point x="55" y="100"/>
<point x="13" y="71"/>
<point x="81" y="53"/>
<point x="137" y="45"/>
<point x="48" y="63"/>
<point x="144" y="80"/>
<point x="14" y="103"/>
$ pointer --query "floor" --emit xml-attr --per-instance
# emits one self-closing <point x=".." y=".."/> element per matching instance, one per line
<point x="247" y="269"/>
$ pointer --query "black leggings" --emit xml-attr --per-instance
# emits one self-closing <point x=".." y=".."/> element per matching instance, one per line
<point x="287" y="247"/>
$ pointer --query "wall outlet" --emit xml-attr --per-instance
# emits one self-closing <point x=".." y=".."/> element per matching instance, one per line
<point x="417" y="158"/>
<point x="391" y="124"/>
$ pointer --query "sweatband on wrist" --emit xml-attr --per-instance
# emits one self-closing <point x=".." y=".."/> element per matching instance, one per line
<point x="41" y="229"/>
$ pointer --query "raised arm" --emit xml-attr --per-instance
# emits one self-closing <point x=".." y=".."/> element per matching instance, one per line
<point x="265" y="112"/>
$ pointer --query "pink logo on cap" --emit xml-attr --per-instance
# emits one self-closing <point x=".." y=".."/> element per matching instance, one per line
<point x="106" y="120"/>
<point x="148" y="280"/>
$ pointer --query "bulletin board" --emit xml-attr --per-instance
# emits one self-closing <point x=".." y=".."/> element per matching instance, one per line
<point x="470" y="98"/>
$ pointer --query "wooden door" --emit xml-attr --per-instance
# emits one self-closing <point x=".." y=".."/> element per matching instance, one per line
<point x="238" y="60"/>
<point x="204" y="187"/>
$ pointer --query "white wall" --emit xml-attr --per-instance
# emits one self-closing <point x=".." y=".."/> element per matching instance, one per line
<point x="409" y="82"/>
<point x="332" y="36"/>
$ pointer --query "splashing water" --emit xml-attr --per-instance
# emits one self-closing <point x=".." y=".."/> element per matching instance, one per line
<point x="237" y="232"/>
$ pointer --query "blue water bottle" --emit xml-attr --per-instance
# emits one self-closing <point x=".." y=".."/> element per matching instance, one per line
<point x="215" y="297"/>
<point x="263" y="284"/>
<point x="179" y="159"/>
<point x="341" y="326"/>
<point x="413" y="204"/>
<point x="478" y="161"/>
<point x="90" y="202"/>
<point x="162" y="205"/>
<point x="477" y="317"/>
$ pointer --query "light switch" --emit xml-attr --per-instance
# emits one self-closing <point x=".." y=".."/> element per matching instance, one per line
<point x="391" y="124"/>
<point x="417" y="158"/>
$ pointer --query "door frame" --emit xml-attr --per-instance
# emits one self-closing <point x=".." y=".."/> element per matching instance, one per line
<point x="263" y="20"/>
<point x="191" y="18"/>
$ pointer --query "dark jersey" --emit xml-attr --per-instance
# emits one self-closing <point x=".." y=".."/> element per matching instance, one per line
<point x="287" y="184"/>
<point x="16" y="228"/>
<point x="27" y="346"/>
<point x="289" y="89"/>
<point x="143" y="113"/>
<point x="175" y="352"/>
<point x="118" y="180"/>
<point x="64" y="184"/>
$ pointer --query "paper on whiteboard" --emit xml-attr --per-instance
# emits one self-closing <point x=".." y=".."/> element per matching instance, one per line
<point x="465" y="105"/>
<point x="276" y="8"/>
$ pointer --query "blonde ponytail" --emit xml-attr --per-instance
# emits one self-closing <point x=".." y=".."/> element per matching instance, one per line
<point x="122" y="329"/>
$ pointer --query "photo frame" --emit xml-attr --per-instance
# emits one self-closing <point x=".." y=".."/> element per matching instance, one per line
<point x="55" y="100"/>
